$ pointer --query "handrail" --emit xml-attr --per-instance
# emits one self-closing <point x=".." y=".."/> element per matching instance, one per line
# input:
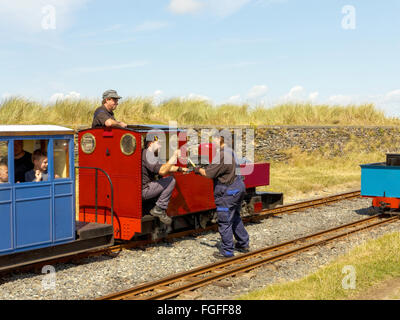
<point x="96" y="193"/>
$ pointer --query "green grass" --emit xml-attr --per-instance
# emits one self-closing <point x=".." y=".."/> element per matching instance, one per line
<point x="18" y="110"/>
<point x="304" y="173"/>
<point x="374" y="262"/>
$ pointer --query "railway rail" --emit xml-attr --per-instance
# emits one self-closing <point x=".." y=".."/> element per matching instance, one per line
<point x="284" y="209"/>
<point x="175" y="285"/>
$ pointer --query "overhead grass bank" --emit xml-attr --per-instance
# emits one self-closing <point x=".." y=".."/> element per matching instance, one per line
<point x="18" y="110"/>
<point x="370" y="264"/>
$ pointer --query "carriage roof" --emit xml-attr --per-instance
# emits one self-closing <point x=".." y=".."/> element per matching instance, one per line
<point x="31" y="130"/>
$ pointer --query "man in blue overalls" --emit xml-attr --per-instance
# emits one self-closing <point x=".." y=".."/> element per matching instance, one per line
<point x="229" y="192"/>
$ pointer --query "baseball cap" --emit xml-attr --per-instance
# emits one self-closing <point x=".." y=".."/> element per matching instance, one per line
<point x="111" y="94"/>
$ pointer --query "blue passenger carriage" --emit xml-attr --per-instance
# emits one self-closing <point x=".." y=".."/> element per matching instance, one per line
<point x="37" y="217"/>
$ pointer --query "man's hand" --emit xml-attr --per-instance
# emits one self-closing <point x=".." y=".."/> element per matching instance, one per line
<point x="199" y="171"/>
<point x="113" y="123"/>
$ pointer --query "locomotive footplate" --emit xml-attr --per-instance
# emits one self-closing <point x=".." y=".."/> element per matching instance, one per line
<point x="92" y="237"/>
<point x="85" y="230"/>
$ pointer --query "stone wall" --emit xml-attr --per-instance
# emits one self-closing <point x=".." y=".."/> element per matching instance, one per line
<point x="271" y="142"/>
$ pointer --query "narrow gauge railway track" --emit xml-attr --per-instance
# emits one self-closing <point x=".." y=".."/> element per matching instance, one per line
<point x="284" y="209"/>
<point x="175" y="285"/>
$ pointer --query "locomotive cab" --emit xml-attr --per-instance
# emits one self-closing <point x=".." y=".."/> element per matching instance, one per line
<point x="118" y="152"/>
<point x="37" y="197"/>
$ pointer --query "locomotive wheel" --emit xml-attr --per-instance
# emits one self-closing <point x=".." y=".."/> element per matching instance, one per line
<point x="204" y="219"/>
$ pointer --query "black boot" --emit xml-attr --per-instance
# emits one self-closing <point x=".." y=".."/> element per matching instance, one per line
<point x="161" y="214"/>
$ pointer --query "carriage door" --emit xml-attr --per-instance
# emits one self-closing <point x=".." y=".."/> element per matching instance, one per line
<point x="6" y="243"/>
<point x="33" y="200"/>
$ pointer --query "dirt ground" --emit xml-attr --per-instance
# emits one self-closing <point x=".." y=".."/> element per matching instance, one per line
<point x="387" y="290"/>
<point x="322" y="193"/>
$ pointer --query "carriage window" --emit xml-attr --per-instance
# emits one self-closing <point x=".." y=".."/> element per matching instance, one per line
<point x="30" y="160"/>
<point x="3" y="162"/>
<point x="61" y="159"/>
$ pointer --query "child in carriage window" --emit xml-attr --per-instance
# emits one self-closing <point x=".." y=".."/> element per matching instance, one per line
<point x="40" y="165"/>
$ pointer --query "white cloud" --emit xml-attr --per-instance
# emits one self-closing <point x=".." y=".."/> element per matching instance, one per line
<point x="257" y="91"/>
<point x="61" y="96"/>
<point x="111" y="67"/>
<point x="341" y="99"/>
<point x="6" y="96"/>
<point x="296" y="94"/>
<point x="195" y="96"/>
<point x="313" y="96"/>
<point x="265" y="3"/>
<point x="234" y="99"/>
<point x="185" y="6"/>
<point x="157" y="96"/>
<point x="392" y="96"/>
<point x="28" y="15"/>
<point x="113" y="27"/>
<point x="151" y="26"/>
<point x="158" y="93"/>
<point x="221" y="8"/>
<point x="226" y="7"/>
<point x="389" y="102"/>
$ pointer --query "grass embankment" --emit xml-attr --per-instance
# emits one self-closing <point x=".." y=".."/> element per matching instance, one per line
<point x="305" y="174"/>
<point x="373" y="262"/>
<point x="329" y="169"/>
<point x="190" y="112"/>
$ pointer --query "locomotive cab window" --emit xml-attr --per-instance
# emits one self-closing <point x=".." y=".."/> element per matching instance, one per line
<point x="128" y="144"/>
<point x="4" y="162"/>
<point x="30" y="161"/>
<point x="61" y="159"/>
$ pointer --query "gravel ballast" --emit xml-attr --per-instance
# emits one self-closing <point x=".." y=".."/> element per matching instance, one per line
<point x="98" y="276"/>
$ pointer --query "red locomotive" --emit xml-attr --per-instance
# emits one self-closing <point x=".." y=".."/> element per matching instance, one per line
<point x="116" y="152"/>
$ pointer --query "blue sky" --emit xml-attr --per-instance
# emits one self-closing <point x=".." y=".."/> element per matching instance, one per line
<point x="254" y="51"/>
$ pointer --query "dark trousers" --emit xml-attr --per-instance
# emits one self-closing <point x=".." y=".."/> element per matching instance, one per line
<point x="230" y="225"/>
<point x="162" y="189"/>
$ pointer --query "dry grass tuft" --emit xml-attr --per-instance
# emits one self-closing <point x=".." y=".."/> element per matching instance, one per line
<point x="18" y="110"/>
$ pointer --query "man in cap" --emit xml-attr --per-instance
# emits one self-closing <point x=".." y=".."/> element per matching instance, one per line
<point x="229" y="192"/>
<point x="161" y="188"/>
<point x="104" y="115"/>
